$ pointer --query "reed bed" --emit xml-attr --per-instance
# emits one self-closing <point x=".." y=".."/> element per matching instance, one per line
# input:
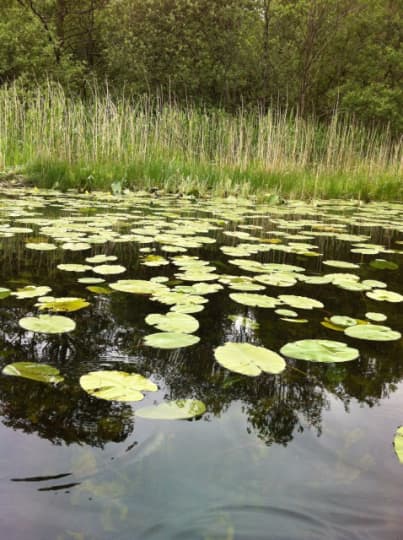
<point x="69" y="142"/>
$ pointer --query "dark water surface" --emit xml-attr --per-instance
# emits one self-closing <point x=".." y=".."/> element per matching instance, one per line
<point x="307" y="454"/>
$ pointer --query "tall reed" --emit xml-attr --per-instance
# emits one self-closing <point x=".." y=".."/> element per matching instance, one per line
<point x="147" y="142"/>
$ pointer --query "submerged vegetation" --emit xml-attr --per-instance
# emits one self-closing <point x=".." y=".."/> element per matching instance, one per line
<point x="100" y="142"/>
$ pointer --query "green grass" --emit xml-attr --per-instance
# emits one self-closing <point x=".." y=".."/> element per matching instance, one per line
<point x="56" y="141"/>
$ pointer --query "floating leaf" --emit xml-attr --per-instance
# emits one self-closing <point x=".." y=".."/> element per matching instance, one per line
<point x="286" y="313"/>
<point x="41" y="246"/>
<point x="343" y="320"/>
<point x="62" y="304"/>
<point x="91" y="280"/>
<point x="382" y="295"/>
<point x="170" y="340"/>
<point x="33" y="371"/>
<point x="376" y="317"/>
<point x="138" y="286"/>
<point x="249" y="359"/>
<point x="74" y="267"/>
<point x="99" y="259"/>
<point x="300" y="302"/>
<point x="109" y="269"/>
<point x="372" y="332"/>
<point x="398" y="443"/>
<point x="97" y="289"/>
<point x="340" y="264"/>
<point x="116" y="385"/>
<point x="320" y="350"/>
<point x="382" y="264"/>
<point x="180" y="409"/>
<point x="4" y="292"/>
<point x="31" y="291"/>
<point x="48" y="324"/>
<point x="255" y="300"/>
<point x="173" y="322"/>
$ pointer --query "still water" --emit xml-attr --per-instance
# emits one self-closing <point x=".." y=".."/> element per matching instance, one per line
<point x="306" y="454"/>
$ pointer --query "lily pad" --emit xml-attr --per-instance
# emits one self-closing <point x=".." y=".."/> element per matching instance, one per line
<point x="383" y="264"/>
<point x="343" y="320"/>
<point x="41" y="246"/>
<point x="4" y="292"/>
<point x="382" y="295"/>
<point x="109" y="269"/>
<point x="180" y="409"/>
<point x="116" y="385"/>
<point x="173" y="322"/>
<point x="249" y="359"/>
<point x="33" y="371"/>
<point x="320" y="350"/>
<point x="31" y="291"/>
<point x="255" y="300"/>
<point x="375" y="316"/>
<point x="70" y="267"/>
<point x="99" y="259"/>
<point x="48" y="324"/>
<point x="300" y="302"/>
<point x="372" y="332"/>
<point x="398" y="443"/>
<point x="138" y="286"/>
<point x="340" y="264"/>
<point x="62" y="304"/>
<point x="170" y="340"/>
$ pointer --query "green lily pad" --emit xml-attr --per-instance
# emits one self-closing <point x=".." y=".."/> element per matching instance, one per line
<point x="109" y="269"/>
<point x="62" y="304"/>
<point x="180" y="409"/>
<point x="99" y="259"/>
<point x="286" y="313"/>
<point x="343" y="320"/>
<point x="41" y="246"/>
<point x="173" y="322"/>
<point x="249" y="359"/>
<point x="4" y="292"/>
<point x="372" y="332"/>
<point x="255" y="300"/>
<point x="74" y="267"/>
<point x="154" y="260"/>
<point x="320" y="350"/>
<point x="31" y="291"/>
<point x="48" y="324"/>
<point x="382" y="295"/>
<point x="170" y="340"/>
<point x="138" y="286"/>
<point x="91" y="280"/>
<point x="76" y="246"/>
<point x="116" y="385"/>
<point x="300" y="302"/>
<point x="398" y="443"/>
<point x="375" y="316"/>
<point x="98" y="289"/>
<point x="33" y="371"/>
<point x="383" y="264"/>
<point x="340" y="264"/>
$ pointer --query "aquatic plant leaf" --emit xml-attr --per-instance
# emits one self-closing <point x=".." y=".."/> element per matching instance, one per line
<point x="382" y="295"/>
<point x="170" y="340"/>
<point x="255" y="300"/>
<point x="62" y="304"/>
<point x="97" y="289"/>
<point x="154" y="260"/>
<point x="300" y="302"/>
<point x="138" y="286"/>
<point x="286" y="313"/>
<point x="31" y="291"/>
<point x="340" y="264"/>
<point x="173" y="322"/>
<point x="109" y="269"/>
<point x="91" y="280"/>
<point x="383" y="264"/>
<point x="76" y="246"/>
<point x="33" y="371"/>
<point x="249" y="359"/>
<point x="398" y="443"/>
<point x="48" y="324"/>
<point x="4" y="292"/>
<point x="70" y="267"/>
<point x="375" y="316"/>
<point x="180" y="409"/>
<point x="116" y="385"/>
<point x="320" y="350"/>
<point x="99" y="259"/>
<point x="41" y="246"/>
<point x="343" y="320"/>
<point x="372" y="332"/>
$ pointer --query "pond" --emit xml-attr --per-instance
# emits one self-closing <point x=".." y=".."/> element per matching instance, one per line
<point x="265" y="405"/>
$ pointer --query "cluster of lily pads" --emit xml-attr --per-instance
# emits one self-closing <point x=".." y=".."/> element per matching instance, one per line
<point x="164" y="231"/>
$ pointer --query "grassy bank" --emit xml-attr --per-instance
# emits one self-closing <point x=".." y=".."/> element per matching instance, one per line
<point x="69" y="143"/>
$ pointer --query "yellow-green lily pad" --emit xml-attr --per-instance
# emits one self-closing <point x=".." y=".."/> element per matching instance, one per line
<point x="320" y="350"/>
<point x="180" y="409"/>
<point x="47" y="324"/>
<point x="116" y="385"/>
<point x="34" y="371"/>
<point x="249" y="359"/>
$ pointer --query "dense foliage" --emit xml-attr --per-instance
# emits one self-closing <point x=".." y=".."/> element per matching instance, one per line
<point x="313" y="55"/>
